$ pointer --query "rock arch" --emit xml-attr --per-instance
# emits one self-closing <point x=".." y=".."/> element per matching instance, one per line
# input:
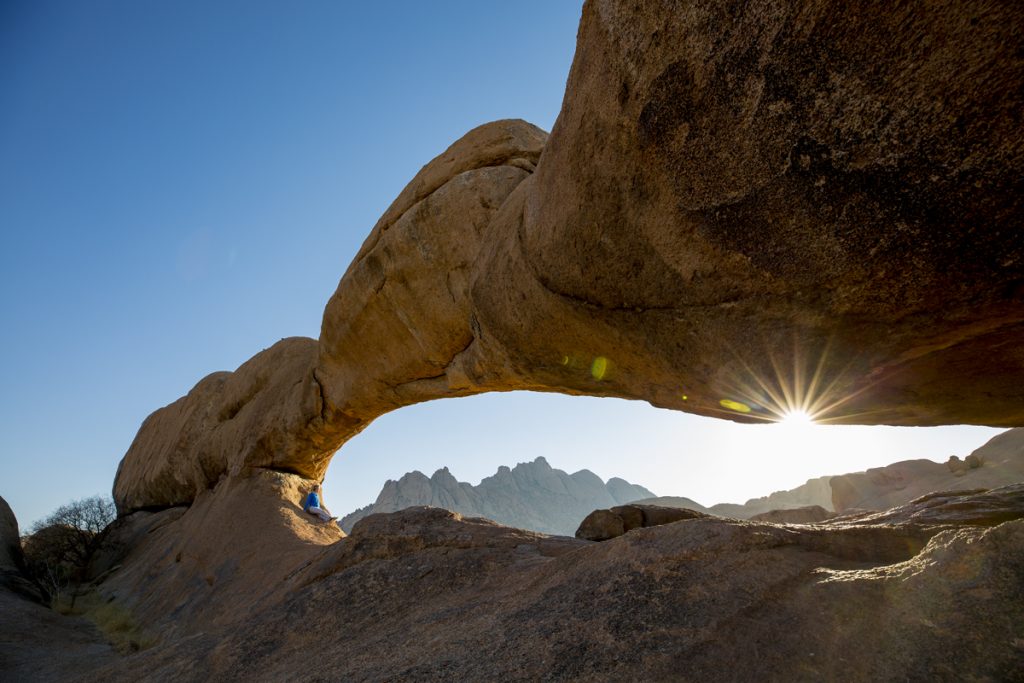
<point x="739" y="211"/>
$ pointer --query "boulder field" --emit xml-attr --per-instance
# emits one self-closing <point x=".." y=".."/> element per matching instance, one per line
<point x="741" y="210"/>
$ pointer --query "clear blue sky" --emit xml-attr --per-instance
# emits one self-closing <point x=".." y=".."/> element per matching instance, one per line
<point x="183" y="183"/>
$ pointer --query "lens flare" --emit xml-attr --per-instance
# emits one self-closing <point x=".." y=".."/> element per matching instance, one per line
<point x="737" y="406"/>
<point x="814" y="386"/>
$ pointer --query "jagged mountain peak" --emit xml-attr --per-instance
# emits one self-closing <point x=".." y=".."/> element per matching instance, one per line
<point x="531" y="495"/>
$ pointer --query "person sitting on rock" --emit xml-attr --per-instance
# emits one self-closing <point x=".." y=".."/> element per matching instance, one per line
<point x="314" y="507"/>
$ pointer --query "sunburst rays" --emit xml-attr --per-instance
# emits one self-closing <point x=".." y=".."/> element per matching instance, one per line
<point x="803" y="387"/>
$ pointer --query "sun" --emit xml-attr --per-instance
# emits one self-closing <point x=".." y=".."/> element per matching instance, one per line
<point x="797" y="418"/>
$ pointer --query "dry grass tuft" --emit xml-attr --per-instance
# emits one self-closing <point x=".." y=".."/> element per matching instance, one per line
<point x="114" y="622"/>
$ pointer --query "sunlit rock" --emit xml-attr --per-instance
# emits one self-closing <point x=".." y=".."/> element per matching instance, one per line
<point x="741" y="212"/>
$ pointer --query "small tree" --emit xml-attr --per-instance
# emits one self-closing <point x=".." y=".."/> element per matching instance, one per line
<point x="58" y="549"/>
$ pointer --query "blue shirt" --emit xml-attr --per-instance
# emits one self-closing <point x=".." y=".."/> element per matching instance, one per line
<point x="312" y="500"/>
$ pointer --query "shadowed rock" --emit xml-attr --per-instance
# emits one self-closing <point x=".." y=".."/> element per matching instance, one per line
<point x="12" y="558"/>
<point x="980" y="507"/>
<point x="601" y="525"/>
<point x="804" y="515"/>
<point x="37" y="643"/>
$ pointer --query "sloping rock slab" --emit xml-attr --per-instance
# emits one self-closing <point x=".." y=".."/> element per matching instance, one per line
<point x="425" y="595"/>
<point x="978" y="507"/>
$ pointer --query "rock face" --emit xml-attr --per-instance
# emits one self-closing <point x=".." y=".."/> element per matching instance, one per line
<point x="531" y="496"/>
<point x="739" y="209"/>
<point x="266" y="414"/>
<point x="424" y="594"/>
<point x="12" y="559"/>
<point x="746" y="204"/>
<point x="186" y="569"/>
<point x="38" y="645"/>
<point x="984" y="507"/>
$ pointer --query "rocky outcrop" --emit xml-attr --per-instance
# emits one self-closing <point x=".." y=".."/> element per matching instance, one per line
<point x="531" y="496"/>
<point x="185" y="569"/>
<point x="742" y="208"/>
<point x="11" y="556"/>
<point x="12" y="559"/>
<point x="983" y="507"/>
<point x="266" y="414"/>
<point x="751" y="206"/>
<point x="601" y="525"/>
<point x="400" y="316"/>
<point x="425" y="594"/>
<point x="739" y="209"/>
<point x="998" y="462"/>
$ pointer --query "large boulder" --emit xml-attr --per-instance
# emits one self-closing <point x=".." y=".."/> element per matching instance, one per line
<point x="803" y="515"/>
<point x="12" y="559"/>
<point x="11" y="556"/>
<point x="602" y="525"/>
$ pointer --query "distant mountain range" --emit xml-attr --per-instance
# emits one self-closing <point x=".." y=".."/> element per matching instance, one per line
<point x="816" y="491"/>
<point x="530" y="495"/>
<point x="538" y="497"/>
<point x="1000" y="461"/>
